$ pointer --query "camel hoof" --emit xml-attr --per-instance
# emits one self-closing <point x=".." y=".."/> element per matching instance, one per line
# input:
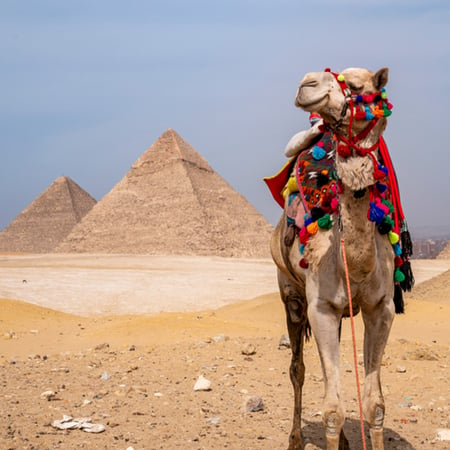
<point x="296" y="442"/>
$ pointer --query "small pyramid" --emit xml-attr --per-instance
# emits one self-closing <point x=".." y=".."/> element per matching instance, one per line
<point x="172" y="202"/>
<point x="445" y="254"/>
<point x="41" y="226"/>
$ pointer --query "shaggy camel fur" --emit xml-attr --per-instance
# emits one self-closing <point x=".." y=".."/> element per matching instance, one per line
<point x="318" y="294"/>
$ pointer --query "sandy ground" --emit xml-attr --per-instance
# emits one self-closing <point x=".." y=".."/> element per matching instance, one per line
<point x="122" y="340"/>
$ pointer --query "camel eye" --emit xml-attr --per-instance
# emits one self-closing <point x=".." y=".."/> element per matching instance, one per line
<point x="354" y="87"/>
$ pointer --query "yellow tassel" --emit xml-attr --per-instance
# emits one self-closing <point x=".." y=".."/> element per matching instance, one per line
<point x="393" y="237"/>
<point x="292" y="184"/>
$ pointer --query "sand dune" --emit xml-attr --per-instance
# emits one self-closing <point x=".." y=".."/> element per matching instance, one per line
<point x="151" y="361"/>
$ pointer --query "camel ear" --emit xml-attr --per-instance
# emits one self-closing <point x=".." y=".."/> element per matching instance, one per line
<point x="380" y="79"/>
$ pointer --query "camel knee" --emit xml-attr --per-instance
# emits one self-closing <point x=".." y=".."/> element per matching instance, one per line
<point x="374" y="414"/>
<point x="333" y="421"/>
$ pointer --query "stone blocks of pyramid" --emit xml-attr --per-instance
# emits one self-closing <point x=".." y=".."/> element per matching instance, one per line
<point x="172" y="202"/>
<point x="41" y="226"/>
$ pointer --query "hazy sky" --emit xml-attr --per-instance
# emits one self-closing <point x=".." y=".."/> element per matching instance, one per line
<point x="87" y="86"/>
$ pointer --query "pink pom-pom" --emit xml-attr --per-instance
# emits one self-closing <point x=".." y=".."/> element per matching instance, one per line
<point x="334" y="204"/>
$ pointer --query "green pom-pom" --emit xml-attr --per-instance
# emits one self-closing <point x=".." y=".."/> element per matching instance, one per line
<point x="325" y="222"/>
<point x="399" y="276"/>
<point x="389" y="220"/>
<point x="389" y="205"/>
<point x="384" y="94"/>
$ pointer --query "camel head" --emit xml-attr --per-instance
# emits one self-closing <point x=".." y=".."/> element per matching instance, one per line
<point x="328" y="93"/>
<point x="354" y="105"/>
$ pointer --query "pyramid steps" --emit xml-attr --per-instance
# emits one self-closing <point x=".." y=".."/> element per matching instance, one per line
<point x="43" y="224"/>
<point x="172" y="202"/>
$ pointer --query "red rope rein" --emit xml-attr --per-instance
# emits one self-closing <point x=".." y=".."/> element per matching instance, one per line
<point x="355" y="358"/>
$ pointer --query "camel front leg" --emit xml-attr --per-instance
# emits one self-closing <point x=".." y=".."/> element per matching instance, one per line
<point x="377" y="324"/>
<point x="325" y="321"/>
<point x="295" y="306"/>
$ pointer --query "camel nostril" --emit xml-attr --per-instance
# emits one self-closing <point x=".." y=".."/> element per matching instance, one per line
<point x="309" y="83"/>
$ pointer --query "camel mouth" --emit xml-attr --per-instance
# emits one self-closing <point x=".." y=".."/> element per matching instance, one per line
<point x="309" y="103"/>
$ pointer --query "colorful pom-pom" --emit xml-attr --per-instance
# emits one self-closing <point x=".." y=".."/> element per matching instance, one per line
<point x="340" y="77"/>
<point x="393" y="237"/>
<point x="334" y="204"/>
<point x="389" y="205"/>
<point x="397" y="249"/>
<point x="302" y="248"/>
<point x="303" y="235"/>
<point x="312" y="228"/>
<point x="360" y="115"/>
<point x="303" y="263"/>
<point x="389" y="220"/>
<point x="369" y="115"/>
<point x="318" y="153"/>
<point x="344" y="150"/>
<point x="379" y="174"/>
<point x="375" y="214"/>
<point x="399" y="276"/>
<point x="325" y="222"/>
<point x="383" y="168"/>
<point x="381" y="187"/>
<point x="359" y="99"/>
<point x="384" y="227"/>
<point x="398" y="261"/>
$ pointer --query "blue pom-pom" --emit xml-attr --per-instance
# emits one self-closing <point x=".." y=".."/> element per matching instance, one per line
<point x="308" y="221"/>
<point x="302" y="248"/>
<point x="318" y="152"/>
<point x="376" y="214"/>
<point x="381" y="187"/>
<point x="359" y="98"/>
<point x="369" y="115"/>
<point x="397" y="249"/>
<point x="383" y="168"/>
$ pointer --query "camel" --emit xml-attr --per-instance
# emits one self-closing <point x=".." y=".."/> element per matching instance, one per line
<point x="313" y="284"/>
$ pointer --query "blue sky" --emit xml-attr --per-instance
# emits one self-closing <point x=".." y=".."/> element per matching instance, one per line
<point x="87" y="86"/>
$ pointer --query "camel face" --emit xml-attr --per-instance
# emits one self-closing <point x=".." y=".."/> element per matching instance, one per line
<point x="320" y="91"/>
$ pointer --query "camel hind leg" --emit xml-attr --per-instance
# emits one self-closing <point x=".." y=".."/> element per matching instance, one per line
<point x="296" y="319"/>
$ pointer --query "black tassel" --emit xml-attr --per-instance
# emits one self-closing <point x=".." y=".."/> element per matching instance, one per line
<point x="408" y="283"/>
<point x="406" y="242"/>
<point x="398" y="299"/>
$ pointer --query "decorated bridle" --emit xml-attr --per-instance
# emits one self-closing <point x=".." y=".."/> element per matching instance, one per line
<point x="368" y="107"/>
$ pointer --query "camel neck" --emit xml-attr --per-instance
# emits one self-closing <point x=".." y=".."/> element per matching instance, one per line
<point x="358" y="233"/>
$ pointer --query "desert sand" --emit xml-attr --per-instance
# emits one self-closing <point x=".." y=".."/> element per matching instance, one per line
<point x="122" y="340"/>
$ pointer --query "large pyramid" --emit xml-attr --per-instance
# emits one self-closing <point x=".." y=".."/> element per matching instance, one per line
<point x="172" y="202"/>
<point x="41" y="226"/>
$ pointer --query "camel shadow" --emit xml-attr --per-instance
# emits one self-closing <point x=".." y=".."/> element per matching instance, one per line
<point x="314" y="433"/>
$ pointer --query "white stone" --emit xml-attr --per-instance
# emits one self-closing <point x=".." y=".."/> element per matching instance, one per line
<point x="443" y="434"/>
<point x="202" y="384"/>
